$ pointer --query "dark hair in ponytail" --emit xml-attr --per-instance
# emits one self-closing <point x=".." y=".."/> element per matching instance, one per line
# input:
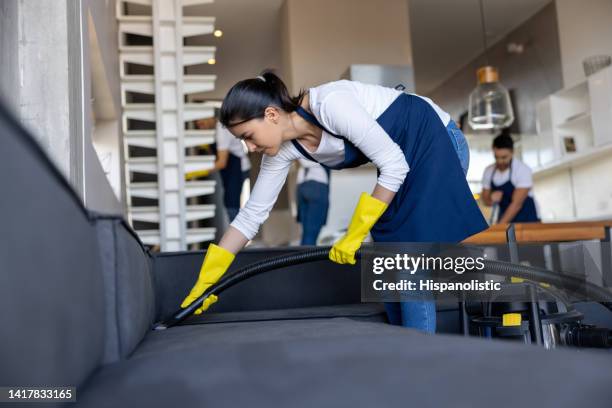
<point x="249" y="98"/>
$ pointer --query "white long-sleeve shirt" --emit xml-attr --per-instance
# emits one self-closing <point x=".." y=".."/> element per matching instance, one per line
<point x="345" y="108"/>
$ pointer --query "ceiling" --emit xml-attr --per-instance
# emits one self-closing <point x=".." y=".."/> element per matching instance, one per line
<point x="250" y="41"/>
<point x="447" y="34"/>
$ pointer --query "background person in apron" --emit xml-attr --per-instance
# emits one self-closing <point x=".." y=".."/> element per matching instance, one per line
<point x="236" y="170"/>
<point x="421" y="193"/>
<point x="508" y="184"/>
<point x="232" y="161"/>
<point x="312" y="198"/>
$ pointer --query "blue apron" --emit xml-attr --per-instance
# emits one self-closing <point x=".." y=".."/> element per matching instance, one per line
<point x="434" y="204"/>
<point x="527" y="213"/>
<point x="233" y="177"/>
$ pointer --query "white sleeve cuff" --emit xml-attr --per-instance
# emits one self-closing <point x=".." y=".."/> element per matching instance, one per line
<point x="249" y="230"/>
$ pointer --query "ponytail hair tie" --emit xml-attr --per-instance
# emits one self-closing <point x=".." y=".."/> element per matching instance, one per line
<point x="261" y="77"/>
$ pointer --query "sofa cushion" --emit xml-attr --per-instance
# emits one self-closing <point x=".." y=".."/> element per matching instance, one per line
<point x="52" y="330"/>
<point x="344" y="363"/>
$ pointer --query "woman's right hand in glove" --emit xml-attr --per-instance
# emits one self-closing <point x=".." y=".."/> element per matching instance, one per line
<point x="216" y="262"/>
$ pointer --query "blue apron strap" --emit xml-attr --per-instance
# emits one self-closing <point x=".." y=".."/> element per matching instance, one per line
<point x="302" y="150"/>
<point x="309" y="117"/>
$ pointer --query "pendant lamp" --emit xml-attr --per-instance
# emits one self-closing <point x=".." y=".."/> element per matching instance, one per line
<point x="490" y="107"/>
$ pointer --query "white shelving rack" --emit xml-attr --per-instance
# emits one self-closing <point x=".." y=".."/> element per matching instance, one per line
<point x="164" y="88"/>
<point x="574" y="124"/>
<point x="572" y="154"/>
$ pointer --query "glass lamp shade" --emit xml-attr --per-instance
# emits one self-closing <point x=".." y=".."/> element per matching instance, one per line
<point x="490" y="105"/>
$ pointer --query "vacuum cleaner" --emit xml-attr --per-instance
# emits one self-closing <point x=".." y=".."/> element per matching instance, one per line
<point x="551" y="322"/>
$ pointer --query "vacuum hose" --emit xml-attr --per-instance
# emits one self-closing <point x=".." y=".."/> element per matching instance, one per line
<point x="322" y="253"/>
<point x="586" y="337"/>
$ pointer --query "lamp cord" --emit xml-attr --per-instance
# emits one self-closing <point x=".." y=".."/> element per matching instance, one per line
<point x="484" y="31"/>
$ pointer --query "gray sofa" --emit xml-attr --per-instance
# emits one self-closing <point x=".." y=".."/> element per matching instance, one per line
<point x="79" y="294"/>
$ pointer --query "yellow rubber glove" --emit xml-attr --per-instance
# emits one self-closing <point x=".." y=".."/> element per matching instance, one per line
<point x="195" y="174"/>
<point x="367" y="212"/>
<point x="216" y="262"/>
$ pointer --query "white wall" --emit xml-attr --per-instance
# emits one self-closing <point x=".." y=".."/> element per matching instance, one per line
<point x="554" y="196"/>
<point x="107" y="145"/>
<point x="105" y="178"/>
<point x="102" y="25"/>
<point x="593" y="189"/>
<point x="99" y="195"/>
<point x="585" y="29"/>
<point x="323" y="38"/>
<point x="345" y="188"/>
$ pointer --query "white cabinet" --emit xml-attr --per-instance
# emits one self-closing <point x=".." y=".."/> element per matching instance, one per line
<point x="545" y="145"/>
<point x="600" y="92"/>
<point x="576" y="119"/>
<point x="574" y="128"/>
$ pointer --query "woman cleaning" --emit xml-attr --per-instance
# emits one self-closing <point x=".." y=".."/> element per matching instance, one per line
<point x="421" y="193"/>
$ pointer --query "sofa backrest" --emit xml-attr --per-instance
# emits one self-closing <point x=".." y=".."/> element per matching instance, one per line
<point x="52" y="328"/>
<point x="320" y="283"/>
<point x="128" y="287"/>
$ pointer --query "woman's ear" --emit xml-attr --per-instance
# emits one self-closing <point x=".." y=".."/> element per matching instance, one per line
<point x="272" y="114"/>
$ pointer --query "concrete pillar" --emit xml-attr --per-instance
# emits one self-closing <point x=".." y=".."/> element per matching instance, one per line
<point x="9" y="35"/>
<point x="35" y="76"/>
<point x="46" y="80"/>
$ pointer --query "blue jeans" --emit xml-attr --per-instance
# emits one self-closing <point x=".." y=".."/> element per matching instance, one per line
<point x="313" y="203"/>
<point x="421" y="315"/>
<point x="232" y="212"/>
<point x="460" y="145"/>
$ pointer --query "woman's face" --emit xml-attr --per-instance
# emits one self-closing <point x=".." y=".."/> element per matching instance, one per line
<point x="262" y="135"/>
